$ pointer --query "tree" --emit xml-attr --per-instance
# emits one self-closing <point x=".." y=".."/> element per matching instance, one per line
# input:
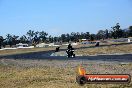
<point x="67" y="37"/>
<point x="117" y="32"/>
<point x="101" y="34"/>
<point x="36" y="33"/>
<point x="1" y="41"/>
<point x="106" y="34"/>
<point x="9" y="39"/>
<point x="82" y="35"/>
<point x="31" y="34"/>
<point x="35" y="40"/>
<point x="56" y="39"/>
<point x="63" y="38"/>
<point x="87" y="36"/>
<point x="125" y="33"/>
<point x="14" y="39"/>
<point x="77" y="36"/>
<point x="23" y="39"/>
<point x="92" y="37"/>
<point x="43" y="35"/>
<point x="130" y="31"/>
<point x="72" y="35"/>
<point x="51" y="39"/>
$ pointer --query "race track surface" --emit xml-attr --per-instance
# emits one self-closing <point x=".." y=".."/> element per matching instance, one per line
<point x="46" y="55"/>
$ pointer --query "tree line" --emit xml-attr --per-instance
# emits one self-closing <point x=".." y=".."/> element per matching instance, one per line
<point x="35" y="37"/>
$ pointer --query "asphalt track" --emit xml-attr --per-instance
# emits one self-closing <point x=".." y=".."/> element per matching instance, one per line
<point x="43" y="55"/>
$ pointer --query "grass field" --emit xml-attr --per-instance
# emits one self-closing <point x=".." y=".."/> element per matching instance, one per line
<point x="19" y="73"/>
<point x="105" y="50"/>
<point x="55" y="77"/>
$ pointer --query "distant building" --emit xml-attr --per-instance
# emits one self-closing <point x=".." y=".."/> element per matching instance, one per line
<point x="20" y="45"/>
<point x="47" y="45"/>
<point x="86" y="41"/>
<point x="42" y="45"/>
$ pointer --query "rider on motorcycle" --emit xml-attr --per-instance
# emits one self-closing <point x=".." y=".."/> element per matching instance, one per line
<point x="70" y="51"/>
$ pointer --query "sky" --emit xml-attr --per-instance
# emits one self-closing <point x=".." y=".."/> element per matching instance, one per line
<point x="63" y="16"/>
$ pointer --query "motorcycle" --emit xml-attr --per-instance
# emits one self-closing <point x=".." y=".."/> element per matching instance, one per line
<point x="70" y="53"/>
